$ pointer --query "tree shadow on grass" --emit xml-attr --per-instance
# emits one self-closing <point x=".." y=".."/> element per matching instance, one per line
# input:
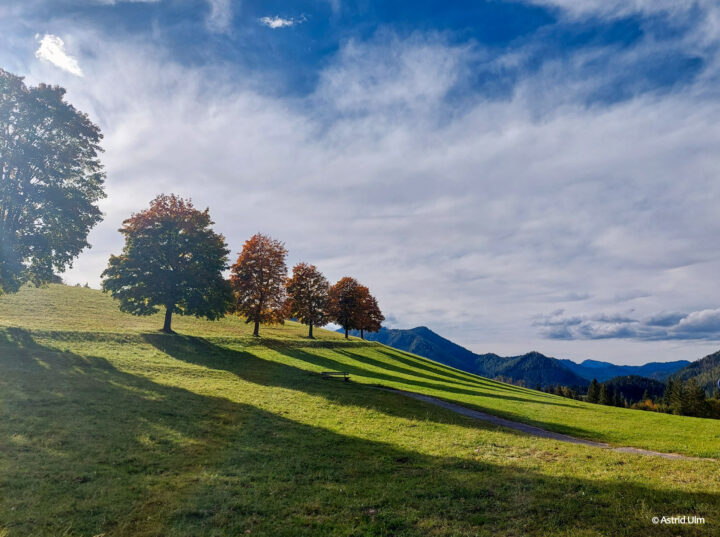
<point x="414" y="361"/>
<point x="253" y="368"/>
<point x="398" y="366"/>
<point x="390" y="365"/>
<point x="426" y="364"/>
<point x="203" y="351"/>
<point x="365" y="360"/>
<point x="89" y="449"/>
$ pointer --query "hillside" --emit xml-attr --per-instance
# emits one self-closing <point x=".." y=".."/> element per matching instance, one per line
<point x="110" y="427"/>
<point x="531" y="369"/>
<point x="706" y="372"/>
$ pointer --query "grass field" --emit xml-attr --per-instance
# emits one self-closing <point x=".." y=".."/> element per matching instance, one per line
<point x="109" y="427"/>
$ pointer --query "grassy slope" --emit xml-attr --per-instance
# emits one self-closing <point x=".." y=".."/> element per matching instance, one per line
<point x="108" y="426"/>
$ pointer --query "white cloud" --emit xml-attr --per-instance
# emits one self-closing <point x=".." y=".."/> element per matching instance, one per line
<point x="52" y="49"/>
<point x="279" y="22"/>
<point x="621" y="8"/>
<point x="392" y="74"/>
<point x="220" y="16"/>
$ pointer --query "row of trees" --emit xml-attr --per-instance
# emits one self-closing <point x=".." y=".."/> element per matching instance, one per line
<point x="687" y="398"/>
<point x="51" y="181"/>
<point x="684" y="398"/>
<point x="604" y="394"/>
<point x="173" y="259"/>
<point x="564" y="391"/>
<point x="598" y="393"/>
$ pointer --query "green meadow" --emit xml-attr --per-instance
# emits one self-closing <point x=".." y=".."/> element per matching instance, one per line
<point x="108" y="427"/>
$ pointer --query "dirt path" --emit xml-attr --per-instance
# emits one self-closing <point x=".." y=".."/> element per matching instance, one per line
<point x="537" y="431"/>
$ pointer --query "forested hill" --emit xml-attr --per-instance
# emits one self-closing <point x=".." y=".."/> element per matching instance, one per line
<point x="634" y="388"/>
<point x="706" y="372"/>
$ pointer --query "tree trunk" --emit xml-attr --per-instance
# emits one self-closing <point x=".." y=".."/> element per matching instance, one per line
<point x="256" y="331"/>
<point x="310" y="332"/>
<point x="168" y="320"/>
<point x="346" y="333"/>
<point x="362" y="334"/>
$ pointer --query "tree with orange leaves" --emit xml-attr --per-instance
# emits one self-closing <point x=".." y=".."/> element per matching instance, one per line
<point x="172" y="259"/>
<point x="345" y="297"/>
<point x="258" y="280"/>
<point x="307" y="291"/>
<point x="369" y="316"/>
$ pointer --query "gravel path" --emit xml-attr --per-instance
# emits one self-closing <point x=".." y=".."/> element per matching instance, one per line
<point x="537" y="431"/>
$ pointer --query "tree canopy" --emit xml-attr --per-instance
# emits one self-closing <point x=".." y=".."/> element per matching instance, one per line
<point x="258" y="279"/>
<point x="308" y="299"/>
<point x="172" y="258"/>
<point x="369" y="316"/>
<point x="345" y="298"/>
<point x="51" y="179"/>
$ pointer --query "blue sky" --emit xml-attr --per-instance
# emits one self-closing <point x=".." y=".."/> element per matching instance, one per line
<point x="515" y="175"/>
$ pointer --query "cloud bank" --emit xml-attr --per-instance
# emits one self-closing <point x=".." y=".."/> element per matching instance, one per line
<point x="698" y="325"/>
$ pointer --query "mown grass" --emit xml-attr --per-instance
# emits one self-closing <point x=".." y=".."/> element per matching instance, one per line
<point x="107" y="426"/>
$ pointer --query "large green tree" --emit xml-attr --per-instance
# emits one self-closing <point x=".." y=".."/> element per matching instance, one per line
<point x="172" y="259"/>
<point x="50" y="182"/>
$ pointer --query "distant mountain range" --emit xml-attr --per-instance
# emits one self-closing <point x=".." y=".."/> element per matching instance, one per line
<point x="602" y="371"/>
<point x="532" y="369"/>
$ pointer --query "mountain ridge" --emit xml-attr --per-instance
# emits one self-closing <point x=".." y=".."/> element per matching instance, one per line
<point x="602" y="371"/>
<point x="531" y="369"/>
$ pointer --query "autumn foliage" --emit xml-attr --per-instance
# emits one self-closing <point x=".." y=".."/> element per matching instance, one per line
<point x="258" y="281"/>
<point x="369" y="316"/>
<point x="353" y="307"/>
<point x="172" y="259"/>
<point x="308" y="299"/>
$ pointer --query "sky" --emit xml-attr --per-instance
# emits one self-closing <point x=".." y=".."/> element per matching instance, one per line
<point x="515" y="175"/>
